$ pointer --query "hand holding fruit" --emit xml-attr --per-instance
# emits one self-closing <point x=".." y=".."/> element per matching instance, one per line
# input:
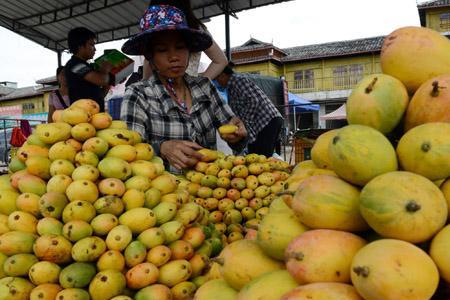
<point x="181" y="154"/>
<point x="234" y="131"/>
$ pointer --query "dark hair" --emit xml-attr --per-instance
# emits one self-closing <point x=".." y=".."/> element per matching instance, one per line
<point x="58" y="70"/>
<point x="78" y="37"/>
<point x="228" y="70"/>
<point x="185" y="7"/>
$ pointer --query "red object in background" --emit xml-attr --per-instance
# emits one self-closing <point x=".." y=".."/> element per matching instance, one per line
<point x="17" y="137"/>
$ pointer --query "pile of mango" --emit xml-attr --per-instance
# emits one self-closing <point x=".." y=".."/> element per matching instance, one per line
<point x="88" y="212"/>
<point x="368" y="216"/>
<point x="236" y="190"/>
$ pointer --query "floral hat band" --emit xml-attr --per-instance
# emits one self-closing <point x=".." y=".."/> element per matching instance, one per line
<point x="161" y="18"/>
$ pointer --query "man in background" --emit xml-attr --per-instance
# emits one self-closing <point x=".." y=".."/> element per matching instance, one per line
<point x="260" y="116"/>
<point x="83" y="81"/>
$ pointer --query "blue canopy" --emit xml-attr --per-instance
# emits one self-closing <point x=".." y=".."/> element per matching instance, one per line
<point x="301" y="105"/>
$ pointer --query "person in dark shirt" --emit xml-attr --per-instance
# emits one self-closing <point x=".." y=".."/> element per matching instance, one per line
<point x="83" y="81"/>
<point x="260" y="116"/>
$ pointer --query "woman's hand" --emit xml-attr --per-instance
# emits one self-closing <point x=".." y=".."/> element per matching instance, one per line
<point x="181" y="154"/>
<point x="240" y="133"/>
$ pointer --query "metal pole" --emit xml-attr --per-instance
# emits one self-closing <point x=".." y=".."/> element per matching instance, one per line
<point x="227" y="30"/>
<point x="58" y="53"/>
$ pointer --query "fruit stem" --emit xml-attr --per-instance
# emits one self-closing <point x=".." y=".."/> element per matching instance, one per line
<point x="412" y="206"/>
<point x="369" y="88"/>
<point x="362" y="271"/>
<point x="435" y="90"/>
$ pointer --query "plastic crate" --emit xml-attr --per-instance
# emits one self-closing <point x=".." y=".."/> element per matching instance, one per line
<point x="302" y="148"/>
<point x="114" y="105"/>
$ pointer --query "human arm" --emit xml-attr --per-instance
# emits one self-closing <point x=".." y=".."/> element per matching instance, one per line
<point x="51" y="110"/>
<point x="241" y="132"/>
<point x="180" y="154"/>
<point x="218" y="61"/>
<point x="101" y="77"/>
<point x="225" y="115"/>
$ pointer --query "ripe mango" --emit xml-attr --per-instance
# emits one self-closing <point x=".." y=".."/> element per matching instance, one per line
<point x="138" y="219"/>
<point x="144" y="151"/>
<point x="152" y="237"/>
<point x="109" y="205"/>
<point x="86" y="172"/>
<point x="44" y="272"/>
<point x="103" y="223"/>
<point x="78" y="210"/>
<point x="45" y="291"/>
<point x="53" y="248"/>
<point x="113" y="167"/>
<point x="114" y="136"/>
<point x="227" y="129"/>
<point x="82" y="131"/>
<point x="27" y="151"/>
<point x="142" y="275"/>
<point x="49" y="225"/>
<point x="22" y="221"/>
<point x="86" y="158"/>
<point x="111" y="260"/>
<point x="88" y="105"/>
<point x="101" y="120"/>
<point x="84" y="190"/>
<point x="88" y="249"/>
<point x="208" y="154"/>
<point x="107" y="284"/>
<point x="125" y="152"/>
<point x="216" y="289"/>
<point x="144" y="168"/>
<point x="174" y="272"/>
<point x="18" y="265"/>
<point x="119" y="238"/>
<point x="154" y="292"/>
<point x="135" y="253"/>
<point x="61" y="150"/>
<point x="73" y="293"/>
<point x="61" y="167"/>
<point x="74" y="116"/>
<point x="97" y="145"/>
<point x="53" y="132"/>
<point x="16" y="288"/>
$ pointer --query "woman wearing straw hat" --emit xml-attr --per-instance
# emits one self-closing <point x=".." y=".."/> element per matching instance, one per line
<point x="175" y="112"/>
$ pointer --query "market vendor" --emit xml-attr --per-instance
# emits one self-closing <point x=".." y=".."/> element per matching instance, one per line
<point x="175" y="112"/>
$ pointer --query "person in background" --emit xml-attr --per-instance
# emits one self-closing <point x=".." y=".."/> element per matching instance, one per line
<point x="214" y="53"/>
<point x="59" y="98"/>
<point x="83" y="81"/>
<point x="175" y="112"/>
<point x="260" y="116"/>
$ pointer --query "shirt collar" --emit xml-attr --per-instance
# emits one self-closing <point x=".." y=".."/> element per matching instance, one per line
<point x="164" y="98"/>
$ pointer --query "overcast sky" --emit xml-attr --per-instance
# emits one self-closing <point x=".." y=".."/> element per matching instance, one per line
<point x="295" y="23"/>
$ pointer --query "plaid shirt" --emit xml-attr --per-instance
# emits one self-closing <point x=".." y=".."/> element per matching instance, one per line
<point x="250" y="104"/>
<point x="148" y="109"/>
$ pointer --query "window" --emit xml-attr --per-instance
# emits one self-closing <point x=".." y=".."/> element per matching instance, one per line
<point x="28" y="106"/>
<point x="445" y="21"/>
<point x="348" y="76"/>
<point x="304" y="79"/>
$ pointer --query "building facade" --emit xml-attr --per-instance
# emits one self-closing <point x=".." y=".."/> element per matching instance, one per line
<point x="326" y="73"/>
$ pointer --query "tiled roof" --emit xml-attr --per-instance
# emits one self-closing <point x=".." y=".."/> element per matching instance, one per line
<point x="333" y="49"/>
<point x="48" y="80"/>
<point x="4" y="90"/>
<point x="25" y="92"/>
<point x="254" y="44"/>
<point x="434" y="3"/>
